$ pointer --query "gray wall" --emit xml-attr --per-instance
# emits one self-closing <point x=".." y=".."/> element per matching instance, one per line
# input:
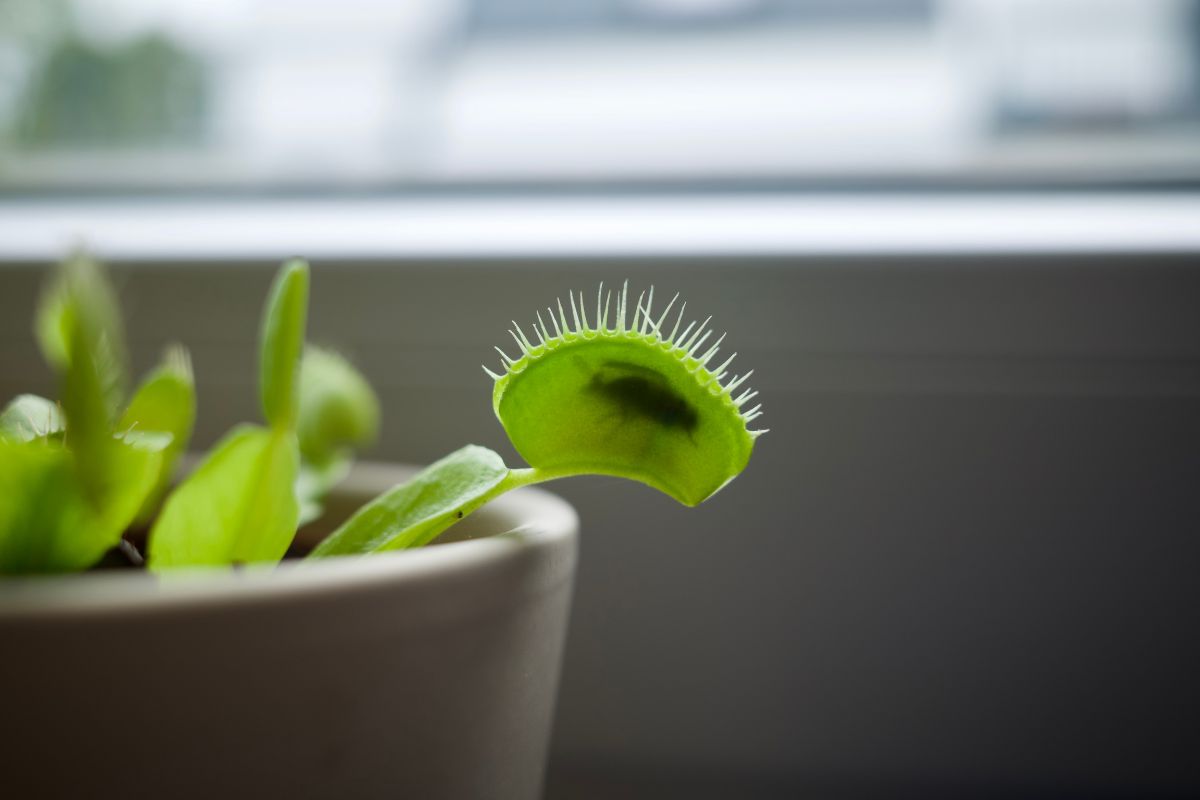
<point x="964" y="557"/>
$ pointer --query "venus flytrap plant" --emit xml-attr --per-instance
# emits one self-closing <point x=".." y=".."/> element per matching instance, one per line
<point x="338" y="412"/>
<point x="240" y="505"/>
<point x="589" y="397"/>
<point x="74" y="476"/>
<point x="165" y="402"/>
<point x="614" y="394"/>
<point x="30" y="417"/>
<point x="338" y="409"/>
<point x="244" y="502"/>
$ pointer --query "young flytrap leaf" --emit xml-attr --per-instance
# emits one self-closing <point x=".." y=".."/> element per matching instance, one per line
<point x="40" y="503"/>
<point x="72" y="487"/>
<point x="30" y="417"/>
<point x="626" y="398"/>
<point x="338" y="412"/>
<point x="80" y="299"/>
<point x="48" y="522"/>
<point x="282" y="340"/>
<point x="338" y="408"/>
<point x="240" y="504"/>
<point x="165" y="403"/>
<point x="93" y="370"/>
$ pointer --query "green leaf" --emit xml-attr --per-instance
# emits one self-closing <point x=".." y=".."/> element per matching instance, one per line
<point x="165" y="402"/>
<point x="414" y="513"/>
<point x="48" y="522"/>
<point x="40" y="505"/>
<point x="30" y="417"/>
<point x="338" y="412"/>
<point x="51" y="322"/>
<point x="633" y="401"/>
<point x="80" y="296"/>
<point x="239" y="506"/>
<point x="282" y="339"/>
<point x="93" y="367"/>
<point x="68" y="499"/>
<point x="338" y="409"/>
<point x="136" y="463"/>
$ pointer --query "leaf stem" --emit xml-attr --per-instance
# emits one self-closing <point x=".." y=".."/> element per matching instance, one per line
<point x="528" y="476"/>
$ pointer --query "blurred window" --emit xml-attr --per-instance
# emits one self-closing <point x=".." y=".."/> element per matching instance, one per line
<point x="378" y="94"/>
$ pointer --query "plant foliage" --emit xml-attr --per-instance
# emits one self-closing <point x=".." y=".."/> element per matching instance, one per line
<point x="609" y="395"/>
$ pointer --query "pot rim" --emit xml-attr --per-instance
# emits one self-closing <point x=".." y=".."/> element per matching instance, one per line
<point x="520" y="521"/>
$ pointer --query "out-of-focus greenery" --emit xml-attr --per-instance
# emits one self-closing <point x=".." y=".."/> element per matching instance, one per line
<point x="241" y="506"/>
<point x="72" y="478"/>
<point x="76" y="474"/>
<point x="142" y="92"/>
<point x="166" y="402"/>
<point x="339" y="412"/>
<point x="33" y="23"/>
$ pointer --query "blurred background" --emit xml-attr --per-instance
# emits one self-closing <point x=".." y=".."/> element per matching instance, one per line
<point x="268" y="94"/>
<point x="959" y="240"/>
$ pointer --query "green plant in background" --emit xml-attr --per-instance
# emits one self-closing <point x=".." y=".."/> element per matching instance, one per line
<point x="588" y="398"/>
<point x="240" y="505"/>
<point x="338" y="412"/>
<point x="74" y="477"/>
<point x="145" y="92"/>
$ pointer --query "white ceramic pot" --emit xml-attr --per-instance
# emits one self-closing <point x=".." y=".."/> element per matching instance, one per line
<point x="422" y="674"/>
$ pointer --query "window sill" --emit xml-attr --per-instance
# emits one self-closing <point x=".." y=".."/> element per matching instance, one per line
<point x="144" y="229"/>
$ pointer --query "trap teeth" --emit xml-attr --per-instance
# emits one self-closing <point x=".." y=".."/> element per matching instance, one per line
<point x="712" y="351"/>
<point x="560" y="322"/>
<point x="646" y="313"/>
<point x="635" y="322"/>
<point x="522" y="339"/>
<point x="745" y="396"/>
<point x="738" y="381"/>
<point x="692" y="341"/>
<point x="721" y="369"/>
<point x="575" y="312"/>
<point x="658" y="325"/>
<point x="520" y="345"/>
<point x="601" y="321"/>
<point x="678" y="320"/>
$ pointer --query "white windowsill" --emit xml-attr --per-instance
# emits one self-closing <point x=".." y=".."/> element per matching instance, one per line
<point x="541" y="227"/>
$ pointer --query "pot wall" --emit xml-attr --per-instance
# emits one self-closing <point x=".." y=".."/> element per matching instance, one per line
<point x="424" y="674"/>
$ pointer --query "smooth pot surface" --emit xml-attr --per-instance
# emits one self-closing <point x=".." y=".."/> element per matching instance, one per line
<point x="427" y="674"/>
